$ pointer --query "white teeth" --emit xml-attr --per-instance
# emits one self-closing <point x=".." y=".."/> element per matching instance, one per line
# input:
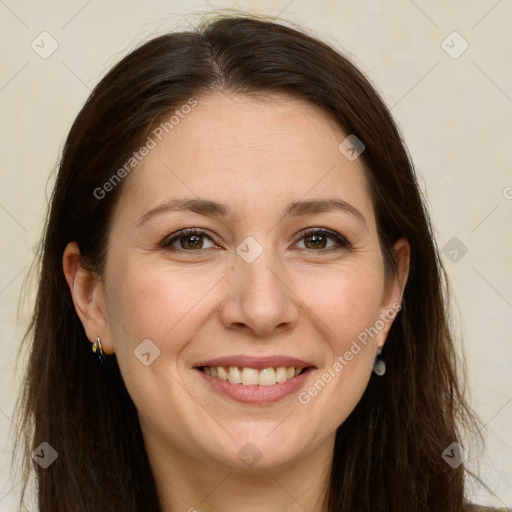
<point x="281" y="374"/>
<point x="267" y="377"/>
<point x="234" y="375"/>
<point x="249" y="377"/>
<point x="223" y="374"/>
<point x="252" y="376"/>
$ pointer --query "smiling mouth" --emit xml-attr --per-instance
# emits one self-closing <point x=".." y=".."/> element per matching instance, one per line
<point x="251" y="376"/>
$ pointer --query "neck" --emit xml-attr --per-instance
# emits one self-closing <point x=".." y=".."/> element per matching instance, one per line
<point x="189" y="484"/>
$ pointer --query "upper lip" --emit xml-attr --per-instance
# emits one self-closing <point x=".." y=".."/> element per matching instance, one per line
<point x="256" y="362"/>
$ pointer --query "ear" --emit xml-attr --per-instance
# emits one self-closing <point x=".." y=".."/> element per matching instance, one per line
<point x="88" y="297"/>
<point x="394" y="287"/>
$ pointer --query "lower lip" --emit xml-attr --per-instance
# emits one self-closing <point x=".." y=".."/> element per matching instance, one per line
<point x="257" y="394"/>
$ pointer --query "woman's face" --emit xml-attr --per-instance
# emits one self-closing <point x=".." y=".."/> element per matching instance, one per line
<point x="259" y="277"/>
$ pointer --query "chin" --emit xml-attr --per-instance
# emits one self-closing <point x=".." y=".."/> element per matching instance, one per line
<point x="265" y="450"/>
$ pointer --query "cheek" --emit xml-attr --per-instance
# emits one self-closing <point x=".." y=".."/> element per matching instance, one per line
<point x="162" y="304"/>
<point x="345" y="307"/>
<point x="344" y="302"/>
<point x="156" y="311"/>
<point x="156" y="303"/>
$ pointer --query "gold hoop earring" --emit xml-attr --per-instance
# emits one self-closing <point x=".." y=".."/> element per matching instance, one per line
<point x="96" y="346"/>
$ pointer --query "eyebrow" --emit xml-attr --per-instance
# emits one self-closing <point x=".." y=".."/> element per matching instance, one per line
<point x="215" y="209"/>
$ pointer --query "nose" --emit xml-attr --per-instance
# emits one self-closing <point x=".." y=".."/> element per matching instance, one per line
<point x="260" y="298"/>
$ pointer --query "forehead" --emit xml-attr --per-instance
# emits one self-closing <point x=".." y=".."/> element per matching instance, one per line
<point x="245" y="149"/>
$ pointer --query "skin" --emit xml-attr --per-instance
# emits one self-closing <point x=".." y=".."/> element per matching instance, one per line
<point x="299" y="299"/>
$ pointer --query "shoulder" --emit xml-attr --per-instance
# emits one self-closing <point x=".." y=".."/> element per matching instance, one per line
<point x="472" y="507"/>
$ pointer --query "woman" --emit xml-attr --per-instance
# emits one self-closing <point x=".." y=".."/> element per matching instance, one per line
<point x="237" y="232"/>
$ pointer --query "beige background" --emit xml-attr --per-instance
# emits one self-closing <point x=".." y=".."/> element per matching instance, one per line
<point x="455" y="113"/>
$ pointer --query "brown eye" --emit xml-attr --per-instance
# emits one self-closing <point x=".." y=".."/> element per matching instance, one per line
<point x="191" y="242"/>
<point x="318" y="240"/>
<point x="315" y="241"/>
<point x="187" y="240"/>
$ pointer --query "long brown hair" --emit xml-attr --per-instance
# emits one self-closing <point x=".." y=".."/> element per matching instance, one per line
<point x="388" y="452"/>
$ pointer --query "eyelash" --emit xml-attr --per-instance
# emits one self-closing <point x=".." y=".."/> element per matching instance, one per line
<point x="341" y="241"/>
